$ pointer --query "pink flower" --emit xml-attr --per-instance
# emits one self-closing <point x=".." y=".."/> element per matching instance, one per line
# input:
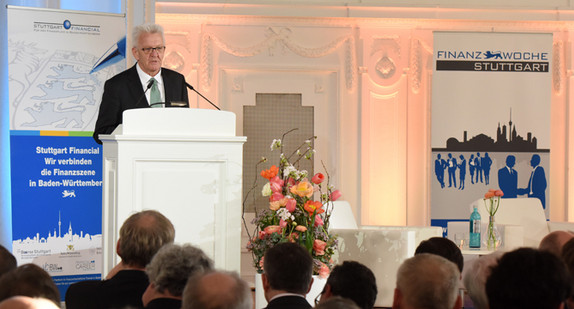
<point x="276" y="201"/>
<point x="300" y="228"/>
<point x="319" y="247"/>
<point x="291" y="204"/>
<point x="261" y="261"/>
<point x="293" y="237"/>
<point x="335" y="195"/>
<point x="272" y="229"/>
<point x="324" y="271"/>
<point x="318" y="178"/>
<point x="262" y="234"/>
<point x="282" y="223"/>
<point x="276" y="184"/>
<point x="318" y="221"/>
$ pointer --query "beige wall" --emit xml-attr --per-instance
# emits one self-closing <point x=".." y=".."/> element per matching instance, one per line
<point x="368" y="76"/>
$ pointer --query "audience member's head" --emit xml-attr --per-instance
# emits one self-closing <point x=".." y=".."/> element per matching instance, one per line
<point x="475" y="277"/>
<point x="29" y="280"/>
<point x="216" y="290"/>
<point x="568" y="259"/>
<point x="25" y="302"/>
<point x="171" y="267"/>
<point x="7" y="261"/>
<point x="427" y="281"/>
<point x="354" y="281"/>
<point x="528" y="278"/>
<point x="554" y="241"/>
<point x="142" y="235"/>
<point x="443" y="247"/>
<point x="337" y="302"/>
<point x="287" y="267"/>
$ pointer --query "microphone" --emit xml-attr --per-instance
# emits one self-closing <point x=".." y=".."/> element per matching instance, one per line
<point x="171" y="104"/>
<point x="149" y="84"/>
<point x="191" y="88"/>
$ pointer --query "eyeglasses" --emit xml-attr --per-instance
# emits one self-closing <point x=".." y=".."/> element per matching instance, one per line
<point x="148" y="50"/>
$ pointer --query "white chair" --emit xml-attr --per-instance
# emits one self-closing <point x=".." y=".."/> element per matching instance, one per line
<point x="383" y="249"/>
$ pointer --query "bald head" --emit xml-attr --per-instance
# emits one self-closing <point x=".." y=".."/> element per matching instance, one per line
<point x="427" y="281"/>
<point x="218" y="289"/>
<point x="554" y="241"/>
<point x="25" y="302"/>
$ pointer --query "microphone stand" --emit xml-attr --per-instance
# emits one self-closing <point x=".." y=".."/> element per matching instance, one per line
<point x="201" y="95"/>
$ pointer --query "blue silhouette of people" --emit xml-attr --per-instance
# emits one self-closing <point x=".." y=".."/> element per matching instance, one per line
<point x="508" y="178"/>
<point x="451" y="171"/>
<point x="477" y="162"/>
<point x="462" y="172"/>
<point x="537" y="183"/>
<point x="439" y="167"/>
<point x="471" y="167"/>
<point x="485" y="164"/>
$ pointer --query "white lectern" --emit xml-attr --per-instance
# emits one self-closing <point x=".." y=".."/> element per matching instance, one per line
<point x="185" y="163"/>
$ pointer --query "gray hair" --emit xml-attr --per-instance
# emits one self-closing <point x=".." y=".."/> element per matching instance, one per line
<point x="475" y="279"/>
<point x="174" y="264"/>
<point x="146" y="28"/>
<point x="429" y="281"/>
<point x="229" y="292"/>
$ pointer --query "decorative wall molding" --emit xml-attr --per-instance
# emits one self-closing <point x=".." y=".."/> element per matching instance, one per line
<point x="557" y="67"/>
<point x="276" y="38"/>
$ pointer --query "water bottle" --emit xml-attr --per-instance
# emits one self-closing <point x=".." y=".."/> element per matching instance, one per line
<point x="474" y="239"/>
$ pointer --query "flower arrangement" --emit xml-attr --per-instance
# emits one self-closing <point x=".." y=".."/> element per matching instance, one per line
<point x="299" y="209"/>
<point x="491" y="203"/>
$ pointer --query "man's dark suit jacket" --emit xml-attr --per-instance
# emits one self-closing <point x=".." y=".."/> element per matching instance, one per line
<point x="288" y="302"/>
<point x="124" y="289"/>
<point x="125" y="91"/>
<point x="164" y="303"/>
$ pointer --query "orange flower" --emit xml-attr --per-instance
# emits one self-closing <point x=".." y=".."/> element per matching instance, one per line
<point x="311" y="206"/>
<point x="272" y="229"/>
<point x="300" y="228"/>
<point x="324" y="271"/>
<point x="270" y="173"/>
<point x="319" y="246"/>
<point x="302" y="189"/>
<point x="489" y="194"/>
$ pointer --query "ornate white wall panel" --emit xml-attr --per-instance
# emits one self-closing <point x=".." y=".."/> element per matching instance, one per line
<point x="368" y="78"/>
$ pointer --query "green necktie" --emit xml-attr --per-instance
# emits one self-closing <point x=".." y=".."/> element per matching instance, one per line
<point x="154" y="96"/>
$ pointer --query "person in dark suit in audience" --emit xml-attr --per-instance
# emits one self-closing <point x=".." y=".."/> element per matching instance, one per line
<point x="29" y="280"/>
<point x="216" y="290"/>
<point x="508" y="178"/>
<point x="141" y="236"/>
<point x="7" y="261"/>
<point x="527" y="278"/>
<point x="443" y="247"/>
<point x="134" y="87"/>
<point x="427" y="281"/>
<point x="567" y="256"/>
<point x="351" y="280"/>
<point x="168" y="272"/>
<point x="287" y="276"/>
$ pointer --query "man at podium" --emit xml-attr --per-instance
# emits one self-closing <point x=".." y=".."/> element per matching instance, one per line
<point x="141" y="85"/>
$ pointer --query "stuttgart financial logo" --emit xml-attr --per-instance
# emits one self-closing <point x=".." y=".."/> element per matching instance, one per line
<point x="492" y="61"/>
<point x="65" y="26"/>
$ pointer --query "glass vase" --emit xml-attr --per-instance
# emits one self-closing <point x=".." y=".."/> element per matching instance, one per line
<point x="492" y="239"/>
